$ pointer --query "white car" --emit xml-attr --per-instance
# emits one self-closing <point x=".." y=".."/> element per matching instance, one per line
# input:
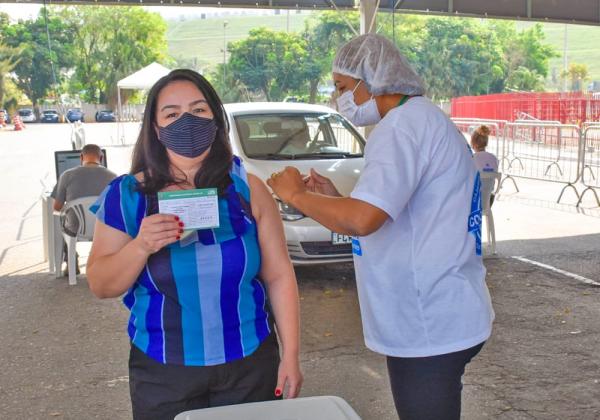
<point x="270" y="136"/>
<point x="27" y="115"/>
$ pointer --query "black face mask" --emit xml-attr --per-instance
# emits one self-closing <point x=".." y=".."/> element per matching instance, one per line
<point x="189" y="135"/>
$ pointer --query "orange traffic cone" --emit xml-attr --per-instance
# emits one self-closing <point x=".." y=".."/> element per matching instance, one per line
<point x="18" y="123"/>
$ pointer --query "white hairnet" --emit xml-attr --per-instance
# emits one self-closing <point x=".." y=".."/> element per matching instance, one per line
<point x="376" y="61"/>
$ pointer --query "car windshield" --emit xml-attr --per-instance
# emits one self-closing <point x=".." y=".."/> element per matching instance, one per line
<point x="277" y="136"/>
<point x="25" y="112"/>
<point x="50" y="112"/>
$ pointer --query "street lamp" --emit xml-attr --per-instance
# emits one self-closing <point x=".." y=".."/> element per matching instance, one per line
<point x="224" y="51"/>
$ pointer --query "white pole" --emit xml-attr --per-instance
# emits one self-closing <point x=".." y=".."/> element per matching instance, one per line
<point x="368" y="14"/>
<point x="565" y="69"/>
<point x="119" y="120"/>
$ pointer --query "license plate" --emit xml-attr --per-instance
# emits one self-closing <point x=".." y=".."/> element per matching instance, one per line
<point x="337" y="239"/>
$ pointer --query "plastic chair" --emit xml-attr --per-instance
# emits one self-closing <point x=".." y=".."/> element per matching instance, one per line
<point x="85" y="231"/>
<point x="309" y="408"/>
<point x="490" y="184"/>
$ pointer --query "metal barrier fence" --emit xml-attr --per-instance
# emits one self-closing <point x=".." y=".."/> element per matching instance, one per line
<point x="590" y="168"/>
<point x="545" y="151"/>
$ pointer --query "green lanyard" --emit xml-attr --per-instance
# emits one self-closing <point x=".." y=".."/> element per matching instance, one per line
<point x="403" y="100"/>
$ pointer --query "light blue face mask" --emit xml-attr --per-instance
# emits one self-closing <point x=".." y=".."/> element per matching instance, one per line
<point x="189" y="135"/>
<point x="360" y="115"/>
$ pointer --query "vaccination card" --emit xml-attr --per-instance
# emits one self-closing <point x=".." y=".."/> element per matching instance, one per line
<point x="197" y="209"/>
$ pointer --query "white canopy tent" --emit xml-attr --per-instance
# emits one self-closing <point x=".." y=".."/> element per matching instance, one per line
<point x="141" y="80"/>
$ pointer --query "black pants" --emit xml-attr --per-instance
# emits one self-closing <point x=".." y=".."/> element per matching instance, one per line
<point x="160" y="392"/>
<point x="429" y="388"/>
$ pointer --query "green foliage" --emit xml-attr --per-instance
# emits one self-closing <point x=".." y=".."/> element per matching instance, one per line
<point x="33" y="69"/>
<point x="280" y="64"/>
<point x="576" y="74"/>
<point x="269" y="62"/>
<point x="229" y="88"/>
<point x="111" y="43"/>
<point x="323" y="35"/>
<point x="9" y="58"/>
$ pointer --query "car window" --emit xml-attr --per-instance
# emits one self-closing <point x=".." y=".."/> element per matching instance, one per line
<point x="298" y="136"/>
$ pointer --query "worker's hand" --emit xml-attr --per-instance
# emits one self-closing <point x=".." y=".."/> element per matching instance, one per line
<point x="289" y="378"/>
<point x="320" y="184"/>
<point x="287" y="183"/>
<point x="158" y="231"/>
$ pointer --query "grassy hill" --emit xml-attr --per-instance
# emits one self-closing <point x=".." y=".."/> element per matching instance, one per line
<point x="198" y="43"/>
<point x="582" y="46"/>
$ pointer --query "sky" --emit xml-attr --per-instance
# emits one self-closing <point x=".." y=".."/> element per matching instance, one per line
<point x="26" y="11"/>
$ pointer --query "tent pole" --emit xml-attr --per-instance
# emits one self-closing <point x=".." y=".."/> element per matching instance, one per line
<point x="119" y="121"/>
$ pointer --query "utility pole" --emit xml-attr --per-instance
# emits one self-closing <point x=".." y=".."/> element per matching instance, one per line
<point x="224" y="52"/>
<point x="565" y="61"/>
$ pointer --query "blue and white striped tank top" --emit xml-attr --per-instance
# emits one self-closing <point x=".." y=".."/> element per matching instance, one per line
<point x="197" y="302"/>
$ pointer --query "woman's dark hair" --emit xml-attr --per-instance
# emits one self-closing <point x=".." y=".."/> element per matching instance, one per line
<point x="150" y="156"/>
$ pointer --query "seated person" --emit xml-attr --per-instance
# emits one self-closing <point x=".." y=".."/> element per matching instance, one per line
<point x="89" y="179"/>
<point x="484" y="161"/>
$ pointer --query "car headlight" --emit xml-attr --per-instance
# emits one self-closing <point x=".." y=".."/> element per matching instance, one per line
<point x="288" y="212"/>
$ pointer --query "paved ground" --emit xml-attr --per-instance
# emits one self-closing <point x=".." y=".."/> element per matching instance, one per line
<point x="63" y="352"/>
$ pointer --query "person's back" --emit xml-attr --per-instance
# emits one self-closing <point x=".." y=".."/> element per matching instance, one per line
<point x="484" y="161"/>
<point x="89" y="179"/>
<point x="84" y="181"/>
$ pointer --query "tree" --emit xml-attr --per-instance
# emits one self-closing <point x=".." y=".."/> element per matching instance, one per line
<point x="458" y="57"/>
<point x="577" y="74"/>
<point x="525" y="56"/>
<point x="9" y="58"/>
<point x="38" y="66"/>
<point x="110" y="43"/>
<point x="323" y="36"/>
<point x="269" y="62"/>
<point x="231" y="89"/>
<point x="524" y="79"/>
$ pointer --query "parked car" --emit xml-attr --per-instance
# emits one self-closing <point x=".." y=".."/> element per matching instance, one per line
<point x="270" y="136"/>
<point x="27" y="115"/>
<point x="106" y="115"/>
<point x="6" y="116"/>
<point x="50" y="116"/>
<point x="75" y="114"/>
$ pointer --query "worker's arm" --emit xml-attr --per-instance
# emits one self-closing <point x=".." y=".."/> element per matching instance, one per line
<point x="343" y="215"/>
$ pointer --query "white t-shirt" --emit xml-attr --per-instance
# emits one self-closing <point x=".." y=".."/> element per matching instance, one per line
<point x="421" y="285"/>
<point x="485" y="162"/>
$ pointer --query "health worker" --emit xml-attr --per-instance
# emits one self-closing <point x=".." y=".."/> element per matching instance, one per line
<point x="415" y="215"/>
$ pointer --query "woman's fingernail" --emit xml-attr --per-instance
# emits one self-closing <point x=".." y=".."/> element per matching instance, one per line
<point x="277" y="392"/>
<point x="180" y="230"/>
<point x="181" y="224"/>
<point x="178" y="237"/>
<point x="177" y="218"/>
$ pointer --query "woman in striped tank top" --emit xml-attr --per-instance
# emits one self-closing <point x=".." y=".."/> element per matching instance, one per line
<point x="202" y="305"/>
